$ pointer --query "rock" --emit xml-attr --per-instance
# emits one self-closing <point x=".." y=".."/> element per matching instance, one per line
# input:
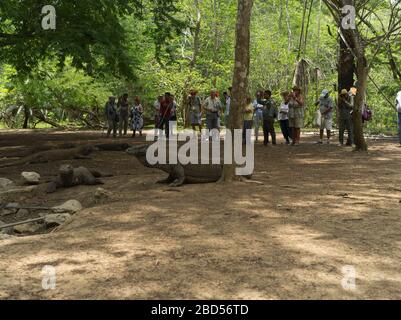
<point x="71" y="206"/>
<point x="54" y="220"/>
<point x="6" y="184"/>
<point x="22" y="214"/>
<point x="101" y="194"/>
<point x="29" y="228"/>
<point x="17" y="191"/>
<point x="30" y="178"/>
<point x="4" y="236"/>
<point x="7" y="230"/>
<point x="10" y="209"/>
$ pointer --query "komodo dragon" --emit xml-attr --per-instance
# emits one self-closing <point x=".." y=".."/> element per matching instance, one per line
<point x="39" y="148"/>
<point x="81" y="152"/>
<point x="70" y="177"/>
<point x="178" y="173"/>
<point x="113" y="146"/>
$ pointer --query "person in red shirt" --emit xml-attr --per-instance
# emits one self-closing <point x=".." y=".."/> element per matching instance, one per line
<point x="165" y="112"/>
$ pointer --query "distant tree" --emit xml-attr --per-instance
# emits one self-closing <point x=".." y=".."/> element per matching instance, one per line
<point x="90" y="31"/>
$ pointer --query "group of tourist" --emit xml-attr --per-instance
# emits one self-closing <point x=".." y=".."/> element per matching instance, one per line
<point x="263" y="112"/>
<point x="120" y="115"/>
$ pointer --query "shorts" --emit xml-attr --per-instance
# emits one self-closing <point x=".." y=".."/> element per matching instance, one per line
<point x="326" y="124"/>
<point x="195" y="118"/>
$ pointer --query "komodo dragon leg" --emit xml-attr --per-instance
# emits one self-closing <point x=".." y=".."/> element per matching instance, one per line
<point x="169" y="179"/>
<point x="179" y="174"/>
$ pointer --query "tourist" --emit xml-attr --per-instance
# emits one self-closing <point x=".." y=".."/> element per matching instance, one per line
<point x="166" y="107"/>
<point x="227" y="97"/>
<point x="112" y="117"/>
<point x="296" y="114"/>
<point x="345" y="109"/>
<point x="212" y="106"/>
<point x="269" y="116"/>
<point x="173" y="115"/>
<point x="247" y="121"/>
<point x="399" y="115"/>
<point x="136" y="117"/>
<point x="156" y="109"/>
<point x="194" y="107"/>
<point x="283" y="116"/>
<point x="258" y="105"/>
<point x="123" y="110"/>
<point x="326" y="106"/>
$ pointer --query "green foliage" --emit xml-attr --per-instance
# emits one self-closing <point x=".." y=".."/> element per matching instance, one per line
<point x="145" y="48"/>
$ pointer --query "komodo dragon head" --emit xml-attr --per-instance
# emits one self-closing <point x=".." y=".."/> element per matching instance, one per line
<point x="138" y="151"/>
<point x="66" y="169"/>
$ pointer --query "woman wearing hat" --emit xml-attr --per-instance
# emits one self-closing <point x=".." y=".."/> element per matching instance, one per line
<point x="296" y="114"/>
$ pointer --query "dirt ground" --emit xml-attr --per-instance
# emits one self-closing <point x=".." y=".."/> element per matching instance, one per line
<point x="318" y="209"/>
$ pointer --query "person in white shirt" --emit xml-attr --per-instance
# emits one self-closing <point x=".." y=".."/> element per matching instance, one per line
<point x="258" y="106"/>
<point x="283" y="116"/>
<point x="399" y="115"/>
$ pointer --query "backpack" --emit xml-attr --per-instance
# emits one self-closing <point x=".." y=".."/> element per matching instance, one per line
<point x="366" y="113"/>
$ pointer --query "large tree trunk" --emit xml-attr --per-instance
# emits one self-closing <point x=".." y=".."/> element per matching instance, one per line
<point x="362" y="75"/>
<point x="240" y="78"/>
<point x="357" y="47"/>
<point x="346" y="67"/>
<point x="192" y="64"/>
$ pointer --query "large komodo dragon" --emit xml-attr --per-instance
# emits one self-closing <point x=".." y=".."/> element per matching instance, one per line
<point x="70" y="177"/>
<point x="178" y="173"/>
<point x="81" y="152"/>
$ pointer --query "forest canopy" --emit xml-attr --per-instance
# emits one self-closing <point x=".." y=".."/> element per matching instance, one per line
<point x="101" y="48"/>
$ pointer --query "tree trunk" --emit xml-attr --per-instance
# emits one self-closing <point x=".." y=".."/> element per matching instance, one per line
<point x="346" y="67"/>
<point x="240" y="78"/>
<point x="192" y="64"/>
<point x="362" y="75"/>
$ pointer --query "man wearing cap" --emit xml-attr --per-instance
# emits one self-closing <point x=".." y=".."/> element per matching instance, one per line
<point x="111" y="115"/>
<point x="326" y="105"/>
<point x="345" y="107"/>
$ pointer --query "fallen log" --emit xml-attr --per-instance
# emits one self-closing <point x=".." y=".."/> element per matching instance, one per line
<point x="21" y="222"/>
